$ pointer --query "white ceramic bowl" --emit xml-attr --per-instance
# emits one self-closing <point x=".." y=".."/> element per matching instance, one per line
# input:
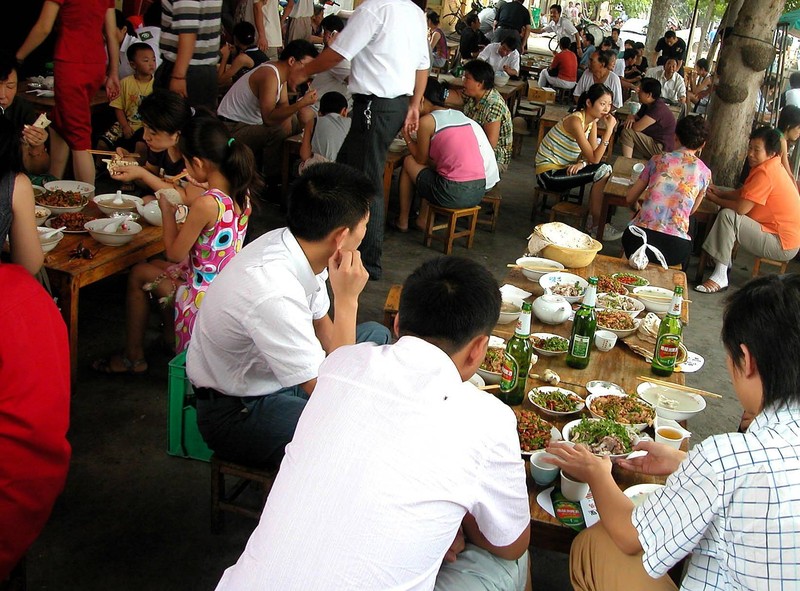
<point x="42" y="213"/>
<point x="512" y="315"/>
<point x="660" y="305"/>
<point x="687" y="404"/>
<point x="543" y="473"/>
<point x="549" y="280"/>
<point x="591" y="397"/>
<point x="622" y="333"/>
<point x="95" y="228"/>
<point x="554" y="413"/>
<point x="604" y="340"/>
<point x="501" y="78"/>
<point x="151" y="212"/>
<point x="106" y="203"/>
<point x="81" y="187"/>
<point x="49" y="243"/>
<point x="567" y="429"/>
<point x="492" y="377"/>
<point x="477" y="381"/>
<point x="602" y="305"/>
<point x="545" y="352"/>
<point x="537" y="262"/>
<point x="572" y="489"/>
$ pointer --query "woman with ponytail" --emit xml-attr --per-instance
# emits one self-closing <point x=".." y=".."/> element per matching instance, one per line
<point x="462" y="163"/>
<point x="212" y="234"/>
<point x="570" y="154"/>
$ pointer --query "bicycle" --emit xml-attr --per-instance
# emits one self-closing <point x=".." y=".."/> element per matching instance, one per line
<point x="456" y="19"/>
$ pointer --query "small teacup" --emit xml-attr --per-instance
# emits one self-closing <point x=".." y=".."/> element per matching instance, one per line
<point x="671" y="436"/>
<point x="573" y="489"/>
<point x="605" y="340"/>
<point x="636" y="172"/>
<point x="543" y="473"/>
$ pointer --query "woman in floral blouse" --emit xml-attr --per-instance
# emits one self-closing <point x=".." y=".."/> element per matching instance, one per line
<point x="669" y="190"/>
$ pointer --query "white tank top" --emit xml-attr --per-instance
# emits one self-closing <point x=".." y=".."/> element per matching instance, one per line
<point x="240" y="104"/>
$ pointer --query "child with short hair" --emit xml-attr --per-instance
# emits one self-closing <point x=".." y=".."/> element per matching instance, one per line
<point x="127" y="131"/>
<point x="324" y="136"/>
<point x="245" y="55"/>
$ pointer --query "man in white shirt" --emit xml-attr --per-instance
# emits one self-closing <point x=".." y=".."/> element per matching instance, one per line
<point x="301" y="12"/>
<point x="486" y="18"/>
<point x="257" y="110"/>
<point x="256" y="351"/>
<point x="398" y="461"/>
<point x="502" y="56"/>
<point x="673" y="87"/>
<point x="562" y="27"/>
<point x="386" y="42"/>
<point x="335" y="79"/>
<point x="598" y="73"/>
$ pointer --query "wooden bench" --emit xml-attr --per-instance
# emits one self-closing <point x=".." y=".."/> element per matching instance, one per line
<point x="447" y="231"/>
<point x="225" y="499"/>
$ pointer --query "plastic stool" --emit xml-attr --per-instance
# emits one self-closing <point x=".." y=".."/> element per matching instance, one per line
<point x="449" y="226"/>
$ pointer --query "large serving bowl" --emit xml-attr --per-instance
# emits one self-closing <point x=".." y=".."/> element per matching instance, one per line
<point x="118" y="238"/>
<point x="572" y="258"/>
<point x="50" y="243"/>
<point x="78" y="186"/>
<point x="41" y="213"/>
<point x="533" y="275"/>
<point x="549" y="281"/>
<point x="658" y="304"/>
<point x="669" y="403"/>
<point x="606" y="301"/>
<point x="591" y="398"/>
<point x="85" y="190"/>
<point x="111" y="203"/>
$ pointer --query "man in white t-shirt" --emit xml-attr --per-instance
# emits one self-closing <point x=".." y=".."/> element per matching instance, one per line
<point x="335" y="79"/>
<point x="598" y="73"/>
<point x="301" y="12"/>
<point x="398" y="461"/>
<point x="561" y="26"/>
<point x="255" y="352"/>
<point x="673" y="87"/>
<point x="502" y="56"/>
<point x="387" y="44"/>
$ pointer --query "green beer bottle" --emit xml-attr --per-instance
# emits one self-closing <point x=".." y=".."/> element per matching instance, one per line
<point x="517" y="360"/>
<point x="583" y="327"/>
<point x="669" y="337"/>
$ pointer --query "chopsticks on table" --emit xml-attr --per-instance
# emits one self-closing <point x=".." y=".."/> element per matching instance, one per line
<point x="531" y="267"/>
<point x="680" y="387"/>
<point x="655" y="297"/>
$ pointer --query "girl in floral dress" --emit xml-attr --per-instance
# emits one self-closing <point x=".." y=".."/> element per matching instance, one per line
<point x="212" y="234"/>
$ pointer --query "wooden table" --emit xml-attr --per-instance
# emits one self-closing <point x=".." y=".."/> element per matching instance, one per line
<point x="46" y="104"/>
<point x="625" y="110"/>
<point x="67" y="276"/>
<point x="620" y="365"/>
<point x="511" y="92"/>
<point x="291" y="146"/>
<point x="554" y="113"/>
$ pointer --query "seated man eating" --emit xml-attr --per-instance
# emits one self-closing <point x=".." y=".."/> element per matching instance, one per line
<point x="254" y="355"/>
<point x="398" y="461"/>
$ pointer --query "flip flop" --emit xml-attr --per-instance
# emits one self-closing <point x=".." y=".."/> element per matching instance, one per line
<point x="104" y="366"/>
<point x="709" y="287"/>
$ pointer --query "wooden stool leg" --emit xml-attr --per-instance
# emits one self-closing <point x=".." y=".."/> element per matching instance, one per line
<point x="429" y="226"/>
<point x="756" y="266"/>
<point x="473" y="223"/>
<point x="451" y="229"/>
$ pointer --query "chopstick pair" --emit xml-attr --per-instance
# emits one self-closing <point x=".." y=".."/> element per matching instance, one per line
<point x="654" y="297"/>
<point x="177" y="177"/>
<point x="680" y="387"/>
<point x="108" y="153"/>
<point x="531" y="267"/>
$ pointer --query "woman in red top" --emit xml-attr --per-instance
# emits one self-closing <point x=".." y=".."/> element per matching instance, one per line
<point x="80" y="68"/>
<point x="763" y="216"/>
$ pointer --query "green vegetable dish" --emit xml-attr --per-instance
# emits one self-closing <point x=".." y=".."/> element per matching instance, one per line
<point x="556" y="344"/>
<point x="630" y="279"/>
<point x="555" y="400"/>
<point x="603" y="436"/>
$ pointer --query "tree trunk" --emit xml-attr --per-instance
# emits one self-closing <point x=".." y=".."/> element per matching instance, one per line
<point x="708" y="17"/>
<point x="728" y="18"/>
<point x="744" y="57"/>
<point x="659" y="18"/>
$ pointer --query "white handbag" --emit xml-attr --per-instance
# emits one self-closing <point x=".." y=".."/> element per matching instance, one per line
<point x="638" y="260"/>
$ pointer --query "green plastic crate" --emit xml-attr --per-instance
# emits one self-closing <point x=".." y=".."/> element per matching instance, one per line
<point x="184" y="437"/>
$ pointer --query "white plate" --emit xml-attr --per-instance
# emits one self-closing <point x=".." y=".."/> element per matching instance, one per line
<point x="688" y="404"/>
<point x="565" y="434"/>
<point x="622" y="333"/>
<point x="554" y="413"/>
<point x="639" y="306"/>
<point x="628" y="285"/>
<point x="545" y="352"/>
<point x="548" y="280"/>
<point x="639" y="492"/>
<point x="638" y="426"/>
<point x="81" y="231"/>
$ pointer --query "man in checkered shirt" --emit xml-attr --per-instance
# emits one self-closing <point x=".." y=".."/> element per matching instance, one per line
<point x="732" y="504"/>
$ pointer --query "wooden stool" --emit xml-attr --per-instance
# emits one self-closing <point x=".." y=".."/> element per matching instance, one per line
<point x="492" y="199"/>
<point x="782" y="265"/>
<point x="564" y="95"/>
<point x="520" y="131"/>
<point x="450" y="233"/>
<point x="540" y="194"/>
<point x="391" y="306"/>
<point x="222" y="500"/>
<point x="572" y="213"/>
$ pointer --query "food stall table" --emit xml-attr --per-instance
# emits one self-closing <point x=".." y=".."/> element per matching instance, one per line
<point x="68" y="275"/>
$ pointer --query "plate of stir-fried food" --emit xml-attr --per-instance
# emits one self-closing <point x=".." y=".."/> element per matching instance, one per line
<point x="618" y="322"/>
<point x="534" y="432"/>
<point x="555" y="401"/>
<point x="621" y="408"/>
<point x="603" y="437"/>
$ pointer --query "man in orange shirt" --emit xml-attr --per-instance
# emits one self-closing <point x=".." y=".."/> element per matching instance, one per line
<point x="763" y="216"/>
<point x="563" y="70"/>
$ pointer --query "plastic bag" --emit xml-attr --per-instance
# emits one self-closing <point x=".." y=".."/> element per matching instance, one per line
<point x="638" y="260"/>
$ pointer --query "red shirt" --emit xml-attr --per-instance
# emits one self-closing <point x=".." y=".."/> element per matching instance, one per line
<point x="80" y="34"/>
<point x="34" y="411"/>
<point x="777" y="204"/>
<point x="567" y="64"/>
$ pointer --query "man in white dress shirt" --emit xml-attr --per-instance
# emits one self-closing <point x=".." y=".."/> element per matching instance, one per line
<point x="255" y="354"/>
<point x="398" y="461"/>
<point x="598" y="72"/>
<point x="561" y="26"/>
<point x="386" y="42"/>
<point x="673" y="87"/>
<point x="502" y="56"/>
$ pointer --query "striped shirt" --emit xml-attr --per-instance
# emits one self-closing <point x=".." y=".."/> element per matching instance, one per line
<point x="734" y="505"/>
<point x="202" y="17"/>
<point x="558" y="148"/>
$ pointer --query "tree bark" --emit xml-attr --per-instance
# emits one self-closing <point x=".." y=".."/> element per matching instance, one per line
<point x="659" y="18"/>
<point x="744" y="57"/>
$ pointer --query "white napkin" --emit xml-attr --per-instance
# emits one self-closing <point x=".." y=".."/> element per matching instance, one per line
<point x="514" y="292"/>
<point x="620" y="180"/>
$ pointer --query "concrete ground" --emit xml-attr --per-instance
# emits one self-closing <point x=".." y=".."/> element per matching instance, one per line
<point x="132" y="517"/>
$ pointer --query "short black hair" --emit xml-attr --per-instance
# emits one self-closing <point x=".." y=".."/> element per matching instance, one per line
<point x="670" y="35"/>
<point x="135" y="48"/>
<point x="164" y="110"/>
<point x="332" y="23"/>
<point x="435" y="92"/>
<point x="556" y="7"/>
<point x="789" y="117"/>
<point x="510" y="42"/>
<point x="298" y="49"/>
<point x="332" y="102"/>
<point x="615" y="29"/>
<point x="325" y="197"/>
<point x="771" y="138"/>
<point x="628" y="42"/>
<point x="607" y="41"/>
<point x="472" y="18"/>
<point x="763" y="308"/>
<point x="589" y="37"/>
<point x="629" y="54"/>
<point x="564" y="42"/>
<point x="7" y="65"/>
<point x="702" y="64"/>
<point x="433" y="16"/>
<point x="594" y="93"/>
<point x="652" y="87"/>
<point x="692" y="131"/>
<point x="481" y="72"/>
<point x="638" y="45"/>
<point x="448" y="301"/>
<point x="244" y="33"/>
<point x="794" y="79"/>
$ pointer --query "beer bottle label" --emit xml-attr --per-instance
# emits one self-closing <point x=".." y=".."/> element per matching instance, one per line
<point x="509" y="373"/>
<point x="667" y="350"/>
<point x="580" y="346"/>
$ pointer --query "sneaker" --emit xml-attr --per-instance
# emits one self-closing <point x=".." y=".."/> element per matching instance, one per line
<point x="611" y="233"/>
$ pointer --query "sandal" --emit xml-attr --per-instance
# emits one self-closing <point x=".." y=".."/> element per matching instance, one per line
<point x="394" y="226"/>
<point x="130" y="367"/>
<point x="709" y="287"/>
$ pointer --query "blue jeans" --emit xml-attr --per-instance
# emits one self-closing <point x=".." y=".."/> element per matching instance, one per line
<point x="254" y="430"/>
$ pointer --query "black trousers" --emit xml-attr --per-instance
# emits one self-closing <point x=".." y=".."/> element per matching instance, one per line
<point x="676" y="250"/>
<point x="201" y="83"/>
<point x="365" y="149"/>
<point x="559" y="180"/>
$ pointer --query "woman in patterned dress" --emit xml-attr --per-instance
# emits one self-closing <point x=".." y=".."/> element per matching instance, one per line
<point x="212" y="234"/>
